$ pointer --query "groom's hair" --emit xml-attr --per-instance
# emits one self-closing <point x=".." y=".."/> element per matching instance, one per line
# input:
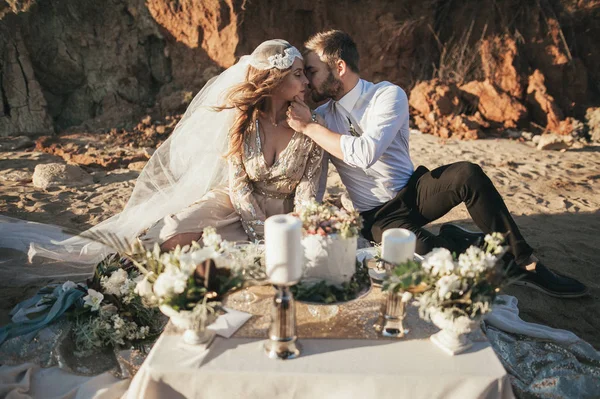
<point x="334" y="45"/>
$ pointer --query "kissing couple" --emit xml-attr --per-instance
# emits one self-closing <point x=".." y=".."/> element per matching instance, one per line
<point x="249" y="147"/>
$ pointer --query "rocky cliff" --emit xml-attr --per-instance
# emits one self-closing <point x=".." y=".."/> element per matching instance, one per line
<point x="474" y="65"/>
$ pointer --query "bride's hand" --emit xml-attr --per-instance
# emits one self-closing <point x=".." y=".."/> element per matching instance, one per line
<point x="298" y="115"/>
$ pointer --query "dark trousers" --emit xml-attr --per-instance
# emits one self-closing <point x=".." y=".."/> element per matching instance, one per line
<point x="429" y="195"/>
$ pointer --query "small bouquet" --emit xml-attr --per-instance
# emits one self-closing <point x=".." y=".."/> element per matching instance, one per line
<point x="111" y="313"/>
<point x="105" y="312"/>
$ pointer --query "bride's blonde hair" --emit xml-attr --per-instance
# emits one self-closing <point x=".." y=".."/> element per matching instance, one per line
<point x="248" y="99"/>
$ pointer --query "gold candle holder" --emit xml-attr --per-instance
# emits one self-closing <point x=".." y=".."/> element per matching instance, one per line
<point x="282" y="342"/>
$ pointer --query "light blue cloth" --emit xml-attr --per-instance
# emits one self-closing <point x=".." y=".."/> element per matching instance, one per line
<point x="45" y="313"/>
<point x="543" y="362"/>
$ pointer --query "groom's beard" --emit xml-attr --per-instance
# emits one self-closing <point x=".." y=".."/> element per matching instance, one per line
<point x="330" y="88"/>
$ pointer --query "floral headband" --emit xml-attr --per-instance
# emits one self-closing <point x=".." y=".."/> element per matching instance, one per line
<point x="284" y="61"/>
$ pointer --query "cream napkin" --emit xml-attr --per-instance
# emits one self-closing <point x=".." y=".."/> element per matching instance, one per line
<point x="227" y="324"/>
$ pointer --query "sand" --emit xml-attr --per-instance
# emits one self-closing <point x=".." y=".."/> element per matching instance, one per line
<point x="552" y="195"/>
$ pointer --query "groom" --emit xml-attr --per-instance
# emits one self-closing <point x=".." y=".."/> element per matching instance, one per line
<point x="367" y="140"/>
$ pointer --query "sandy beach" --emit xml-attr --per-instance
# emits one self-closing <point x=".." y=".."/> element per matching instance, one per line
<point x="553" y="196"/>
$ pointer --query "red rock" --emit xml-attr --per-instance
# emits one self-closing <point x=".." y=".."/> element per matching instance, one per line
<point x="494" y="105"/>
<point x="443" y="132"/>
<point x="433" y="96"/>
<point x="544" y="109"/>
<point x="146" y="120"/>
<point x="421" y="124"/>
<point x="88" y="150"/>
<point x="466" y="127"/>
<point x="217" y="20"/>
<point x="144" y="52"/>
<point x="499" y="63"/>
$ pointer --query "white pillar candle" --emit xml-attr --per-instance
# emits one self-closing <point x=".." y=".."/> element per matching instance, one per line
<point x="284" y="254"/>
<point x="398" y="245"/>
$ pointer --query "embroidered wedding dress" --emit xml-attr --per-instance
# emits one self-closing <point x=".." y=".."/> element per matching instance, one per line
<point x="254" y="192"/>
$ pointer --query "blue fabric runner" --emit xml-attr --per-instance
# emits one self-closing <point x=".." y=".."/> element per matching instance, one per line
<point x="45" y="315"/>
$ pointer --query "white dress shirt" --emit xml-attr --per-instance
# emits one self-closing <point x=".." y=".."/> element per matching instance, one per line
<point x="376" y="161"/>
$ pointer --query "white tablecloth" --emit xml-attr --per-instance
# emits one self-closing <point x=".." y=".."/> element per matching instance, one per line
<point x="327" y="368"/>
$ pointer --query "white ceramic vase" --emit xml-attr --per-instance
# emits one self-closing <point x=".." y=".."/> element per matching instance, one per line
<point x="193" y="322"/>
<point x="453" y="335"/>
<point x="330" y="258"/>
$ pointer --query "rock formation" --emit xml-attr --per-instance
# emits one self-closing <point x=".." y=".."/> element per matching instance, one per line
<point x="94" y="66"/>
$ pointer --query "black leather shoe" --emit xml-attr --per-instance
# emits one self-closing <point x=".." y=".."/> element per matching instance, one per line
<point x="461" y="237"/>
<point x="551" y="283"/>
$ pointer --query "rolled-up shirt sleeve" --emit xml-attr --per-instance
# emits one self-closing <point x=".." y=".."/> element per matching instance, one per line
<point x="389" y="115"/>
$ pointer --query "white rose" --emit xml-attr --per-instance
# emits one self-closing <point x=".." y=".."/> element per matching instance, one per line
<point x="172" y="281"/>
<point x="118" y="276"/>
<point x="163" y="286"/>
<point x="447" y="285"/>
<point x="112" y="285"/>
<point x="439" y="262"/>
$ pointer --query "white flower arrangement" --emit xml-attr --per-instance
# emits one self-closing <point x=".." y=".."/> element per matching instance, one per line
<point x="465" y="286"/>
<point x="193" y="276"/>
<point x="173" y="278"/>
<point x="120" y="285"/>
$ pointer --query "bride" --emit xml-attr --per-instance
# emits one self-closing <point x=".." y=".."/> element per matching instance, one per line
<point x="231" y="162"/>
<point x="270" y="166"/>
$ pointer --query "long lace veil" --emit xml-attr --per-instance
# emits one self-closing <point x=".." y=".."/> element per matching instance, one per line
<point x="184" y="168"/>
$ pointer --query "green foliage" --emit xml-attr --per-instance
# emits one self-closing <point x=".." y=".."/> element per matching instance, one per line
<point x="322" y="292"/>
<point x="404" y="277"/>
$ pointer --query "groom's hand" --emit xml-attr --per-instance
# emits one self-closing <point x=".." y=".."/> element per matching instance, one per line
<point x="298" y="115"/>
